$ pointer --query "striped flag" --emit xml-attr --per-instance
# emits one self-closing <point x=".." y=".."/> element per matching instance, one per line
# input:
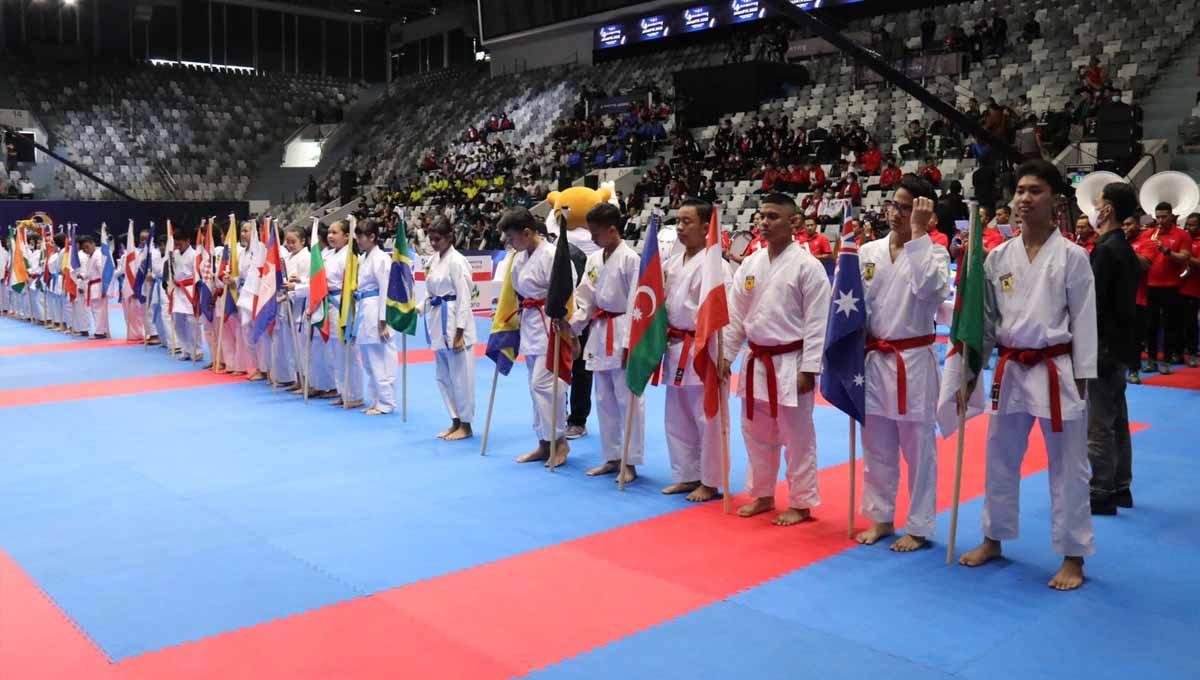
<point x="401" y="306"/>
<point x="504" y="342"/>
<point x="712" y="317"/>
<point x="270" y="282"/>
<point x="318" y="286"/>
<point x="648" y="331"/>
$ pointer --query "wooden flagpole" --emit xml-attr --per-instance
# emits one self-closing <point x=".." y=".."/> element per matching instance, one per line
<point x="487" y="424"/>
<point x="346" y="369"/>
<point x="220" y="331"/>
<point x="723" y="405"/>
<point x="554" y="401"/>
<point x="963" y="401"/>
<point x="853" y="461"/>
<point x="307" y="355"/>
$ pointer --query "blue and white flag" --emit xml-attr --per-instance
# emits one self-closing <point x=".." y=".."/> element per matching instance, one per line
<point x="843" y="377"/>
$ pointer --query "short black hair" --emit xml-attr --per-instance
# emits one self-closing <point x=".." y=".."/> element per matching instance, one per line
<point x="301" y="233"/>
<point x="367" y="227"/>
<point x="779" y="198"/>
<point x="1045" y="171"/>
<point x="1163" y="205"/>
<point x="1122" y="198"/>
<point x="1005" y="207"/>
<point x="1195" y="214"/>
<point x="917" y="186"/>
<point x="442" y="227"/>
<point x="605" y="214"/>
<point x="60" y="240"/>
<point x="520" y="219"/>
<point x="87" y="238"/>
<point x="703" y="208"/>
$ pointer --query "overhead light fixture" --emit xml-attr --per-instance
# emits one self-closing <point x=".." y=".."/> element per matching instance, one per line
<point x="357" y="10"/>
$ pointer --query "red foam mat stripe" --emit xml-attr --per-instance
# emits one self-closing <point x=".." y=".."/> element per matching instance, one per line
<point x="1180" y="378"/>
<point x="29" y="396"/>
<point x="75" y="346"/>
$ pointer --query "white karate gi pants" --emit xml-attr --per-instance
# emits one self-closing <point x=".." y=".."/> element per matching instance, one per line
<point x="1070" y="503"/>
<point x="456" y="381"/>
<point x="99" y="309"/>
<point x="135" y="319"/>
<point x="793" y="430"/>
<point x="612" y="397"/>
<point x="693" y="439"/>
<point x="541" y="392"/>
<point x="79" y="312"/>
<point x="185" y="334"/>
<point x="379" y="363"/>
<point x="883" y="441"/>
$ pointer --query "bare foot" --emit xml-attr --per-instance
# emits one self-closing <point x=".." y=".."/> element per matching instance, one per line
<point x="628" y="475"/>
<point x="909" y="543"/>
<point x="759" y="506"/>
<point x="561" y="449"/>
<point x="1070" y="574"/>
<point x="606" y="469"/>
<point x="877" y="531"/>
<point x="446" y="432"/>
<point x="255" y="376"/>
<point x="373" y="411"/>
<point x="702" y="493"/>
<point x="792" y="516"/>
<point x="986" y="552"/>
<point x="353" y="404"/>
<point x="542" y="452"/>
<point x="681" y="487"/>
<point x="463" y="432"/>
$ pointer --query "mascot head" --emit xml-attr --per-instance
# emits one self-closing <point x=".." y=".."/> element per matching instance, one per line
<point x="579" y="200"/>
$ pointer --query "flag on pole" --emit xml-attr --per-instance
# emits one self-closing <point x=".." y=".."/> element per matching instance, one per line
<point x="48" y="251"/>
<point x="106" y="275"/>
<point x="966" y="332"/>
<point x="248" y="298"/>
<point x="143" y="272"/>
<point x="318" y="286"/>
<point x="346" y="317"/>
<point x="20" y="269"/>
<point x="270" y="282"/>
<point x="401" y="307"/>
<point x="70" y="265"/>
<point x="648" y="328"/>
<point x="504" y="342"/>
<point x="204" y="271"/>
<point x="843" y="376"/>
<point x="560" y="304"/>
<point x="229" y="266"/>
<point x="711" y="317"/>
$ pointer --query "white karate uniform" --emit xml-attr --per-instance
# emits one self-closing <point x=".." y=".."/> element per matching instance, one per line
<point x="902" y="300"/>
<point x="257" y="354"/>
<point x="54" y="290"/>
<point x="93" y="270"/>
<point x="37" y="306"/>
<point x="378" y="356"/>
<point x="312" y="350"/>
<point x="135" y="314"/>
<point x="1033" y="305"/>
<point x="609" y="285"/>
<point x="775" y="303"/>
<point x="693" y="439"/>
<point x="531" y="280"/>
<point x="347" y="370"/>
<point x="182" y="312"/>
<point x="449" y="274"/>
<point x="285" y="354"/>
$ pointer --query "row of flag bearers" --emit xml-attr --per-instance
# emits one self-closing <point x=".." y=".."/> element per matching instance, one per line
<point x="314" y="316"/>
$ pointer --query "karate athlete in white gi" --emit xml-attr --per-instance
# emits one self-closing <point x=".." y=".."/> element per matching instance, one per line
<point x="532" y="262"/>
<point x="295" y="259"/>
<point x="906" y="277"/>
<point x="779" y="305"/>
<point x="5" y="293"/>
<point x="55" y="289"/>
<point x="693" y="440"/>
<point x="602" y="301"/>
<point x="92" y="286"/>
<point x="135" y="314"/>
<point x="1040" y="311"/>
<point x="257" y="355"/>
<point x="450" y="328"/>
<point x="348" y="379"/>
<point x="320" y="373"/>
<point x="373" y="338"/>
<point x="151" y="309"/>
<point x="183" y="298"/>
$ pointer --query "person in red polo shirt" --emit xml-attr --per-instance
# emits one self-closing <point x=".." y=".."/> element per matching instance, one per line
<point x="871" y="159"/>
<point x="770" y="178"/>
<point x="1164" y="308"/>
<point x="816" y="176"/>
<point x="1190" y="290"/>
<point x="814" y="241"/>
<point x="890" y="177"/>
<point x="1085" y="236"/>
<point x="931" y="173"/>
<point x="851" y="189"/>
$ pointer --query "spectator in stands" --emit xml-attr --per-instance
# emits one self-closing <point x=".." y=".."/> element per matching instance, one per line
<point x="1096" y="76"/>
<point x="917" y="143"/>
<point x="931" y="173"/>
<point x="871" y="159"/>
<point x="951" y="209"/>
<point x="851" y="189"/>
<point x="770" y="179"/>
<point x="816" y="176"/>
<point x="312" y="189"/>
<point x="1085" y="235"/>
<point x="928" y="31"/>
<point x="1032" y="30"/>
<point x="795" y="180"/>
<point x="27" y="188"/>
<point x="999" y="33"/>
<point x="810" y="206"/>
<point x="889" y="178"/>
<point x="812" y="240"/>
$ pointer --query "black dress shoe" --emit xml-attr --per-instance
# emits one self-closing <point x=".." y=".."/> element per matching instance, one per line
<point x="1103" y="506"/>
<point x="1123" y="499"/>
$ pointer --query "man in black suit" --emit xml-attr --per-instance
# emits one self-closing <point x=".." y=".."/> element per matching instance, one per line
<point x="1117" y="271"/>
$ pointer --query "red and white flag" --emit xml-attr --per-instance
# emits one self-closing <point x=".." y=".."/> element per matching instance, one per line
<point x="712" y="317"/>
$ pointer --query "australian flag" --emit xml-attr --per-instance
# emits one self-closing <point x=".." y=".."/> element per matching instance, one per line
<point x="843" y="378"/>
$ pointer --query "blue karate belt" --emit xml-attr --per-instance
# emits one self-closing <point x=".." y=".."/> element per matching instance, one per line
<point x="335" y="297"/>
<point x="438" y="301"/>
<point x="359" y="296"/>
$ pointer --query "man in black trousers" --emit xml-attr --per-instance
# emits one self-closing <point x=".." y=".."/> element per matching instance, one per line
<point x="1117" y="272"/>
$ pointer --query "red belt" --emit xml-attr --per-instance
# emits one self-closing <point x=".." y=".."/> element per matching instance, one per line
<point x="766" y="352"/>
<point x="88" y="294"/>
<point x="897" y="347"/>
<point x="1029" y="357"/>
<point x="190" y="295"/>
<point x="533" y="303"/>
<point x="608" y="336"/>
<point x="687" y="337"/>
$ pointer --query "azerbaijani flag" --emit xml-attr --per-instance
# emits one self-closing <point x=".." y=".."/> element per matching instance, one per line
<point x="401" y="307"/>
<point x="648" y="329"/>
<point x="711" y="318"/>
<point x="269" y="284"/>
<point x="504" y="342"/>
<point x="20" y="269"/>
<point x="318" y="286"/>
